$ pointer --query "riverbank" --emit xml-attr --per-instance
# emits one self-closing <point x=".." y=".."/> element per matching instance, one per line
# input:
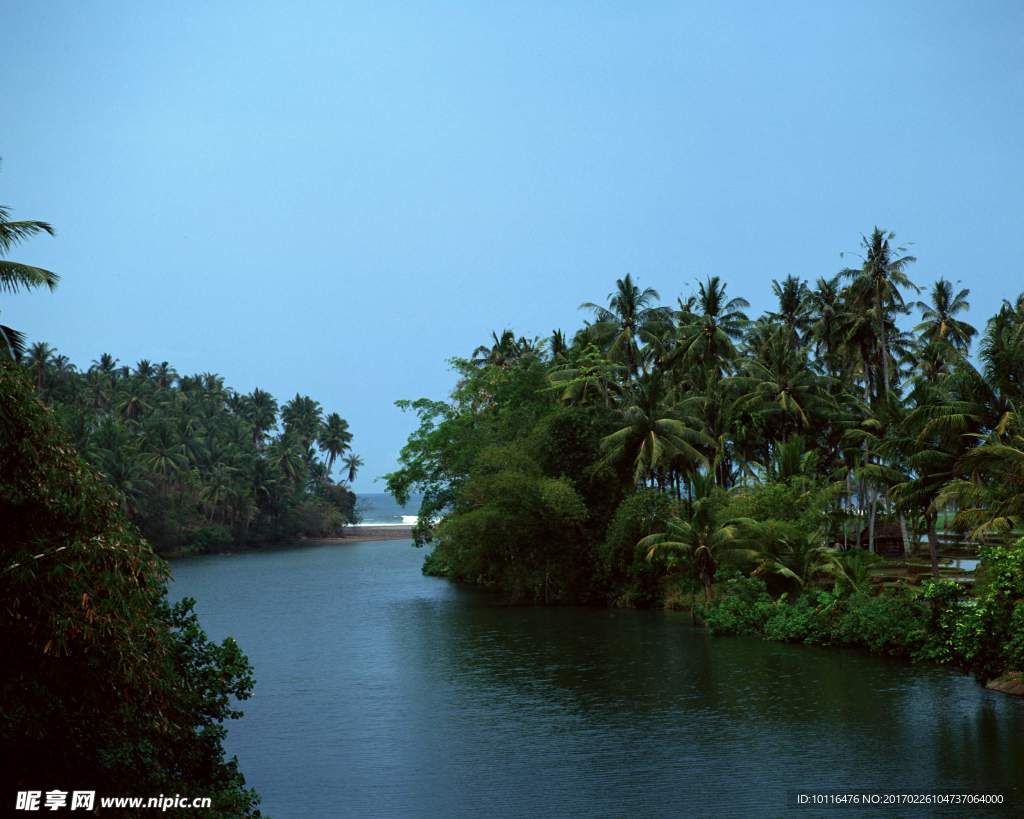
<point x="351" y="534"/>
<point x="359" y="534"/>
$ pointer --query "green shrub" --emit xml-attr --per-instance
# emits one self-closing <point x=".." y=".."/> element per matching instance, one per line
<point x="626" y="574"/>
<point x="894" y="622"/>
<point x="741" y="605"/>
<point x="805" y="620"/>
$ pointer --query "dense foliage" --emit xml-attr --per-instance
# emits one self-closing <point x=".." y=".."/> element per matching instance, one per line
<point x="105" y="686"/>
<point x="664" y="448"/>
<point x="940" y="622"/>
<point x="198" y="465"/>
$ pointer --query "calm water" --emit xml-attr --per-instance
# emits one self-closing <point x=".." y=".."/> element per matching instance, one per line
<point x="381" y="692"/>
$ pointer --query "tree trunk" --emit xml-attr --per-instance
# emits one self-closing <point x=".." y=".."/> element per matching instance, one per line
<point x="933" y="544"/>
<point x="882" y="343"/>
<point x="906" y="536"/>
<point x="871" y="522"/>
<point x="849" y="505"/>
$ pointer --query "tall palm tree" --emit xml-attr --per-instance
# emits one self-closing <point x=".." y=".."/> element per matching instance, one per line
<point x="939" y="317"/>
<point x="145" y="369"/>
<point x="794" y="306"/>
<point x="652" y="434"/>
<point x="780" y="388"/>
<point x="711" y="323"/>
<point x="352" y="462"/>
<point x="15" y="276"/>
<point x="38" y="359"/>
<point x="302" y="417"/>
<point x="165" y="375"/>
<point x="825" y="306"/>
<point x="558" y="345"/>
<point x="106" y="364"/>
<point x="261" y="412"/>
<point x="875" y="288"/>
<point x="626" y="322"/>
<point x="585" y="374"/>
<point x="334" y="438"/>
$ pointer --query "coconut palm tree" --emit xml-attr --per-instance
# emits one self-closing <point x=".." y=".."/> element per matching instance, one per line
<point x="939" y="317"/>
<point x="302" y="417"/>
<point x="15" y="276"/>
<point x="704" y="538"/>
<point x="106" y="364"/>
<point x="780" y="388"/>
<point x="352" y="463"/>
<point x="710" y="324"/>
<point x="165" y="375"/>
<point x="651" y="434"/>
<point x="627" y="322"/>
<point x="37" y="360"/>
<point x="585" y="374"/>
<point x="825" y="308"/>
<point x="875" y="289"/>
<point x="794" y="311"/>
<point x="334" y="438"/>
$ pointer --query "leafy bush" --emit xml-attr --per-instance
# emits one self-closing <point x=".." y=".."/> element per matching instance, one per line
<point x="894" y="622"/>
<point x="806" y="620"/>
<point x="516" y="529"/>
<point x="741" y="606"/>
<point x="627" y="576"/>
<point x="890" y="623"/>
<point x="985" y="633"/>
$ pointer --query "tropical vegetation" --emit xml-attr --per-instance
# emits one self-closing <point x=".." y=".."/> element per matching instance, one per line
<point x="106" y="686"/>
<point x="671" y="454"/>
<point x="197" y="465"/>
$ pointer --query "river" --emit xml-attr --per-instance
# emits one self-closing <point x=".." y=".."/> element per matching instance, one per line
<point x="381" y="692"/>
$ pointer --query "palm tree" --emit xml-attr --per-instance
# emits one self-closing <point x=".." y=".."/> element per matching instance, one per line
<point x="164" y="375"/>
<point x="352" y="462"/>
<point x="39" y="357"/>
<point x="106" y="364"/>
<point x="875" y="289"/>
<point x="286" y="458"/>
<point x="991" y="495"/>
<point x="15" y="276"/>
<point x="939" y="322"/>
<point x="627" y="321"/>
<point x="704" y="538"/>
<point x="585" y="374"/>
<point x="145" y="369"/>
<point x="710" y="324"/>
<point x="651" y="434"/>
<point x="260" y="410"/>
<point x="505" y="350"/>
<point x="302" y="419"/>
<point x="559" y="346"/>
<point x="334" y="438"/>
<point x="502" y="350"/>
<point x="794" y="307"/>
<point x="780" y="386"/>
<point x="825" y="306"/>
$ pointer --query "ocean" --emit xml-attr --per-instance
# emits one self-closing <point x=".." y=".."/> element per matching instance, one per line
<point x="380" y="509"/>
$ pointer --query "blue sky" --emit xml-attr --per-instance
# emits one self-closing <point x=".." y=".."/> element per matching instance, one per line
<point x="334" y="198"/>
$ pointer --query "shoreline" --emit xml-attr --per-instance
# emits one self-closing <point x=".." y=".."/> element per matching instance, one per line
<point x="352" y="534"/>
<point x="362" y="533"/>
